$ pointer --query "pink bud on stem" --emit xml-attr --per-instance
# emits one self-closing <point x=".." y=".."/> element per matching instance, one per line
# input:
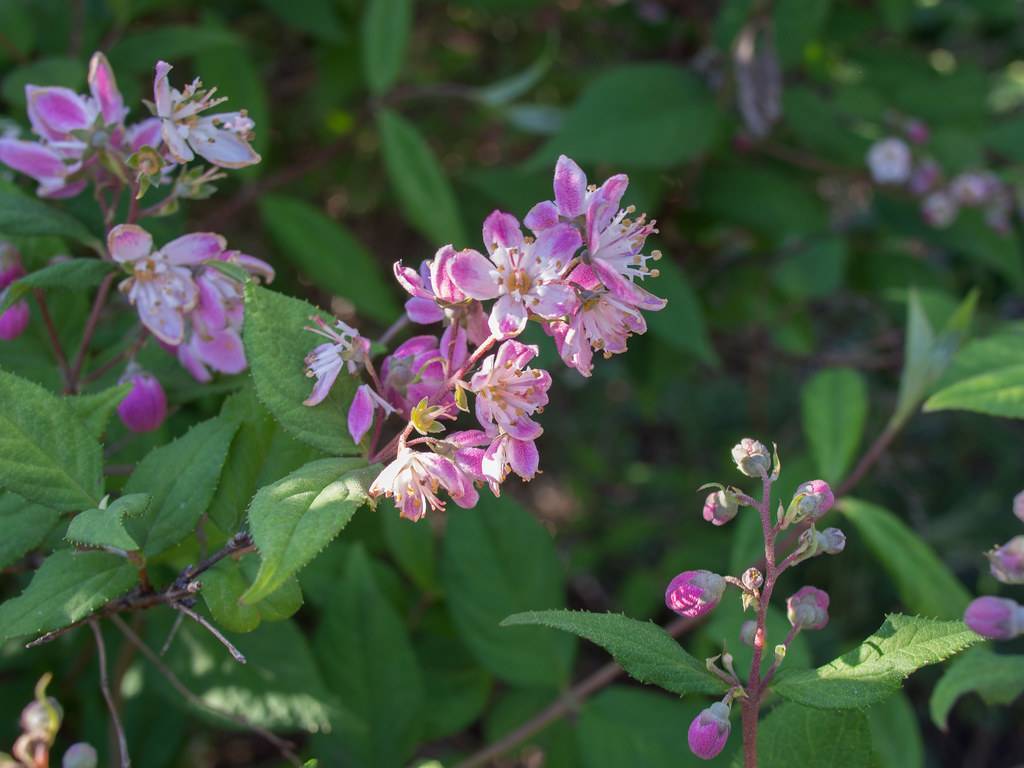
<point x="144" y="408"/>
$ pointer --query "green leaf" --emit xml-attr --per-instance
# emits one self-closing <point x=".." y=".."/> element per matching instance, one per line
<point x="24" y="524"/>
<point x="876" y="669"/>
<point x="663" y="116"/>
<point x="385" y="37"/>
<point x="895" y="733"/>
<point x="46" y="454"/>
<point x="420" y="184"/>
<point x="94" y="410"/>
<point x="21" y="215"/>
<point x="105" y="527"/>
<point x="642" y="648"/>
<point x="925" y="584"/>
<point x="276" y="346"/>
<point x="793" y="735"/>
<point x="986" y="376"/>
<point x="181" y="478"/>
<point x="369" y="663"/>
<point x="224" y="585"/>
<point x="624" y="726"/>
<point x="73" y="274"/>
<point x="998" y="678"/>
<point x="67" y="587"/>
<point x="681" y="323"/>
<point x="133" y="53"/>
<point x="327" y="252"/>
<point x="834" y="404"/>
<point x="797" y="23"/>
<point x="414" y="548"/>
<point x="484" y="581"/>
<point x="508" y="89"/>
<point x="318" y="18"/>
<point x="295" y="518"/>
<point x="51" y="70"/>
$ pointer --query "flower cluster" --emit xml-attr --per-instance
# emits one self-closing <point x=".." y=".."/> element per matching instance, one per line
<point x="188" y="292"/>
<point x="1001" y="618"/>
<point x="696" y="593"/>
<point x="578" y="273"/>
<point x="893" y="161"/>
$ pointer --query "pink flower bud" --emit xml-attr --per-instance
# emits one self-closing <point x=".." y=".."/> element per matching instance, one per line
<point x="720" y="507"/>
<point x="752" y="458"/>
<point x="939" y="209"/>
<point x="811" y="500"/>
<point x="889" y="161"/>
<point x="917" y="131"/>
<point x="1018" y="506"/>
<point x="807" y="608"/>
<point x="926" y="176"/>
<point x="80" y="755"/>
<point x="832" y="541"/>
<point x="747" y="632"/>
<point x="1007" y="562"/>
<point x="14" y="321"/>
<point x="145" y="407"/>
<point x="709" y="731"/>
<point x="694" y="593"/>
<point x="997" y="618"/>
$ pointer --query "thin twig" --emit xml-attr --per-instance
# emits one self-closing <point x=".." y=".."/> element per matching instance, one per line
<point x="867" y="461"/>
<point x="172" y="634"/>
<point x="115" y="719"/>
<point x="282" y="745"/>
<point x="51" y="331"/>
<point x="201" y="621"/>
<point x="126" y="354"/>
<point x="90" y="328"/>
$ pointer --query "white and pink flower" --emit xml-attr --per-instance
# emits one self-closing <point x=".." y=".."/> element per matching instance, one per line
<point x="414" y="478"/>
<point x="344" y="348"/>
<point x="508" y="392"/>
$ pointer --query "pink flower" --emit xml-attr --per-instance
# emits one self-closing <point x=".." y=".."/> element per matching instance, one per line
<point x="432" y="288"/>
<point x="344" y="348"/>
<point x="601" y="321"/>
<point x="939" y="209"/>
<point x="508" y="393"/>
<point x="1007" y="562"/>
<point x="145" y="407"/>
<point x="361" y="412"/>
<point x="414" y="478"/>
<point x="45" y="165"/>
<point x="1018" y="506"/>
<point x="694" y="593"/>
<point x="614" y="241"/>
<point x="418" y="369"/>
<point x="889" y="161"/>
<point x="807" y="608"/>
<point x="506" y="453"/>
<point x="14" y="319"/>
<point x="997" y="618"/>
<point x="161" y="285"/>
<point x="720" y="507"/>
<point x="709" y="731"/>
<point x="222" y="139"/>
<point x="523" y="274"/>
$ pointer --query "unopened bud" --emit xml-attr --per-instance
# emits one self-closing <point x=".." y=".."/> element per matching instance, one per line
<point x="752" y="579"/>
<point x="80" y="755"/>
<point x="926" y="176"/>
<point x="694" y="593"/>
<point x="720" y="507"/>
<point x="1007" y="562"/>
<point x="939" y="209"/>
<point x="811" y="501"/>
<point x="780" y="652"/>
<point x="917" y="131"/>
<point x="145" y="407"/>
<point x="14" y="321"/>
<point x="752" y="458"/>
<point x="747" y="632"/>
<point x="807" y="608"/>
<point x="1018" y="506"/>
<point x="42" y="719"/>
<point x="997" y="618"/>
<point x="889" y="161"/>
<point x="832" y="541"/>
<point x="709" y="731"/>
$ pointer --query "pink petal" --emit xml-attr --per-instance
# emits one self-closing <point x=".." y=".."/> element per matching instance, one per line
<point x="570" y="187"/>
<point x="252" y="265"/>
<point x="515" y="353"/>
<point x="360" y="413"/>
<point x="453" y="346"/>
<point x="524" y="458"/>
<point x="585" y="277"/>
<point x="223" y="148"/>
<point x="323" y="384"/>
<point x="162" y="89"/>
<point x="423" y="311"/>
<point x="410" y="280"/>
<point x="57" y="111"/>
<point x="176" y="145"/>
<point x="194" y="248"/>
<point x="210" y="312"/>
<point x="165" y="323"/>
<point x="508" y="317"/>
<point x="553" y="300"/>
<point x="474" y="275"/>
<point x="625" y="290"/>
<point x="415" y="346"/>
<point x="542" y="216"/>
<point x="128" y="243"/>
<point x="144" y="134"/>
<point x="604" y="204"/>
<point x="61" y="191"/>
<point x="468" y="437"/>
<point x="441" y="281"/>
<point x="104" y="89"/>
<point x="502" y="230"/>
<point x="32" y="159"/>
<point x="223" y="351"/>
<point x="556" y="247"/>
<point x="191" y="363"/>
<point x="14" y="321"/>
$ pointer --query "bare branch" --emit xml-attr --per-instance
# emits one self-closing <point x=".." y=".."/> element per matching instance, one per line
<point x="201" y="621"/>
<point x="115" y="718"/>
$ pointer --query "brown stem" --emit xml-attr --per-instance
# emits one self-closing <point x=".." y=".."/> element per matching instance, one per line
<point x="51" y="332"/>
<point x="868" y="459"/>
<point x="90" y="329"/>
<point x="218" y="635"/>
<point x="115" y="718"/>
<point x="117" y="359"/>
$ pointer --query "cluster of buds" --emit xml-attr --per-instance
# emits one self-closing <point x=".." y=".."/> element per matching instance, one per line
<point x="578" y="274"/>
<point x="895" y="161"/>
<point x="40" y="722"/>
<point x="188" y="293"/>
<point x="1001" y="618"/>
<point x="696" y="593"/>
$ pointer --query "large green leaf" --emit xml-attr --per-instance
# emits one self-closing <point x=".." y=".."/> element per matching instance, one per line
<point x="181" y="478"/>
<point x="385" y="36"/>
<point x="895" y="733"/>
<point x="326" y="251"/>
<point x="105" y="527"/>
<point x="67" y="587"/>
<point x="369" y="663"/>
<point x="276" y="346"/>
<point x="681" y="323"/>
<point x="834" y="403"/>
<point x="414" y="549"/>
<point x="95" y="409"/>
<point x="419" y="181"/>
<point x="24" y="524"/>
<point x="24" y="215"/>
<point x="639" y="116"/>
<point x="292" y="520"/>
<point x="74" y="274"/>
<point x="876" y="669"/>
<point x="997" y="678"/>
<point x="224" y="585"/>
<point x="793" y="735"/>
<point x="484" y="578"/>
<point x="46" y="454"/>
<point x="926" y="585"/>
<point x="644" y="649"/>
